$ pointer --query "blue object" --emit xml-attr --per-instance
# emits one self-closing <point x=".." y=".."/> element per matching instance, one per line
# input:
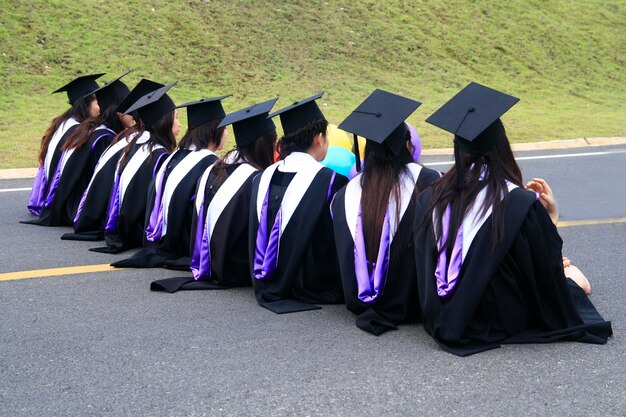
<point x="339" y="159"/>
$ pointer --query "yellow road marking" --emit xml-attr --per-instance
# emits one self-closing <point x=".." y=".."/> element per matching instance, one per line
<point x="571" y="223"/>
<point x="54" y="272"/>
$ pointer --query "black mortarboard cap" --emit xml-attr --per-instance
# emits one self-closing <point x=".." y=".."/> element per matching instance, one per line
<point x="203" y="111"/>
<point x="152" y="106"/>
<point x="112" y="93"/>
<point x="299" y="114"/>
<point x="142" y="88"/>
<point x="251" y="123"/>
<point x="80" y="87"/>
<point x="471" y="115"/>
<point x="380" y="120"/>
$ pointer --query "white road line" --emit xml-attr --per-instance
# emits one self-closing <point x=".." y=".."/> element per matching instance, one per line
<point x="10" y="190"/>
<point x="525" y="158"/>
<point x="521" y="158"/>
<point x="568" y="155"/>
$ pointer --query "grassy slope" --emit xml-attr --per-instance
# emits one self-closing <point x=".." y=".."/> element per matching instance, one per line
<point x="564" y="59"/>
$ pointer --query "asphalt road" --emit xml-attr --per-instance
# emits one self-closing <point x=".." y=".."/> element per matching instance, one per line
<point x="103" y="345"/>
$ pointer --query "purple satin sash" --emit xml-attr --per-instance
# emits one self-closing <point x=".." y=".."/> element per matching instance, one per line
<point x="201" y="256"/>
<point x="447" y="275"/>
<point x="371" y="277"/>
<point x="95" y="142"/>
<point x="38" y="192"/>
<point x="266" y="252"/>
<point x="155" y="224"/>
<point x="329" y="194"/>
<point x="54" y="184"/>
<point x="114" y="206"/>
<point x="157" y="165"/>
<point x="80" y="207"/>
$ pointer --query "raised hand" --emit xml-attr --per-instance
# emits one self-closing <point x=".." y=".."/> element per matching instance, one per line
<point x="541" y="187"/>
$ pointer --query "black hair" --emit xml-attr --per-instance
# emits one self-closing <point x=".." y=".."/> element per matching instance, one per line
<point x="202" y="136"/>
<point x="259" y="154"/>
<point x="81" y="135"/>
<point x="491" y="170"/>
<point x="160" y="134"/>
<point x="79" y="110"/>
<point x="381" y="179"/>
<point x="302" y="139"/>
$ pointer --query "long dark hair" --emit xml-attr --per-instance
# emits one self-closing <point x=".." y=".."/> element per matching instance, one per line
<point x="160" y="134"/>
<point x="381" y="179"/>
<point x="79" y="110"/>
<point x="302" y="139"/>
<point x="259" y="154"/>
<point x="81" y="135"/>
<point x="137" y="127"/>
<point x="496" y="167"/>
<point x="202" y="136"/>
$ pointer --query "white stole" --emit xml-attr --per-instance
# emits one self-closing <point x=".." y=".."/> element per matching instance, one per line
<point x="232" y="158"/>
<point x="67" y="154"/>
<point x="225" y="194"/>
<point x="305" y="167"/>
<point x="54" y="142"/>
<point x="110" y="153"/>
<point x="176" y="176"/>
<point x="474" y="219"/>
<point x="136" y="161"/>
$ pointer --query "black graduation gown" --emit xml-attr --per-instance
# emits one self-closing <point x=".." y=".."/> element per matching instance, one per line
<point x="44" y="178"/>
<point x="398" y="302"/>
<point x="229" y="265"/>
<point x="517" y="293"/>
<point x="173" y="249"/>
<point x="132" y="213"/>
<point x="74" y="179"/>
<point x="307" y="271"/>
<point x="91" y="217"/>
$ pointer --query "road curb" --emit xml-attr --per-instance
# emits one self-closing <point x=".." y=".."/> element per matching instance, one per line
<point x="551" y="144"/>
<point x="22" y="173"/>
<point x="17" y="173"/>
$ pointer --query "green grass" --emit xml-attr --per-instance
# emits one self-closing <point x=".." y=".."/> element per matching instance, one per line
<point x="564" y="59"/>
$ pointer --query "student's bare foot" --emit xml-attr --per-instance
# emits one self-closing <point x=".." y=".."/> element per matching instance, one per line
<point x="578" y="277"/>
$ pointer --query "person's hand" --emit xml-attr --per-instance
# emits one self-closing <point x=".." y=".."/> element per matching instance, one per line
<point x="541" y="187"/>
<point x="566" y="262"/>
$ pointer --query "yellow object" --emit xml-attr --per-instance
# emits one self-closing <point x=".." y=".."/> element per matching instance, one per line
<point x="592" y="222"/>
<point x="341" y="138"/>
<point x="55" y="272"/>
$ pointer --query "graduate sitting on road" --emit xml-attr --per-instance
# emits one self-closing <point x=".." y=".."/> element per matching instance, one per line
<point x="84" y="105"/>
<point x="90" y="218"/>
<point x="152" y="142"/>
<point x="220" y="257"/>
<point x="292" y="248"/>
<point x="373" y="216"/>
<point x="488" y="256"/>
<point x="170" y="201"/>
<point x="82" y="150"/>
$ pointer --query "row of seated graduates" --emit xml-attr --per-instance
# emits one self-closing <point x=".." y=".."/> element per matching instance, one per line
<point x="300" y="233"/>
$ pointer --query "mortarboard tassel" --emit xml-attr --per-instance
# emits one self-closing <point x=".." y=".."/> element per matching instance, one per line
<point x="356" y="153"/>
